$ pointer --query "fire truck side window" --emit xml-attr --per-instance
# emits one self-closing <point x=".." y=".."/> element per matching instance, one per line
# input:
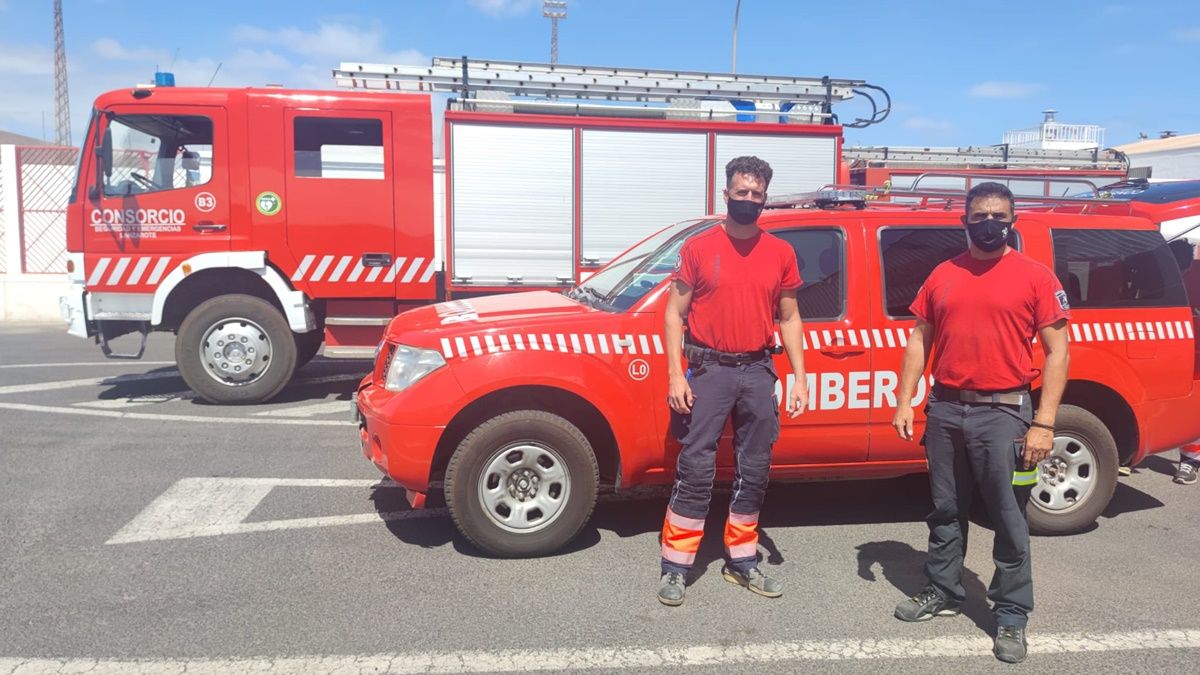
<point x="152" y="153"/>
<point x="328" y="147"/>
<point x="1117" y="268"/>
<point x="909" y="254"/>
<point x="821" y="255"/>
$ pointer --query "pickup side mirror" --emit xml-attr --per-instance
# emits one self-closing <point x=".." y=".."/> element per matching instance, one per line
<point x="104" y="156"/>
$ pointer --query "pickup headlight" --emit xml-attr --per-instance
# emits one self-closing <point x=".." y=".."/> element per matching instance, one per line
<point x="410" y="364"/>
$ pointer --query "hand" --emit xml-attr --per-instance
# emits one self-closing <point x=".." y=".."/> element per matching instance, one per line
<point x="902" y="422"/>
<point x="797" y="400"/>
<point x="1038" y="444"/>
<point x="679" y="395"/>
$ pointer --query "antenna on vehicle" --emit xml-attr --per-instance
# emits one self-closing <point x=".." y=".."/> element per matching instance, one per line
<point x="214" y="75"/>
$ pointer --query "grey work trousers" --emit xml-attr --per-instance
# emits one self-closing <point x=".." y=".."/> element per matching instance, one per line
<point x="974" y="446"/>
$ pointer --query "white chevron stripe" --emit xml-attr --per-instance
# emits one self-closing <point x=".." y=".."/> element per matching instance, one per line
<point x="1120" y="331"/>
<point x="340" y="269"/>
<point x="319" y="273"/>
<point x="603" y="343"/>
<point x="356" y="272"/>
<point x="828" y="339"/>
<point x="1188" y="326"/>
<point x="1162" y="334"/>
<point x="159" y="270"/>
<point x="412" y="270"/>
<point x="813" y="341"/>
<point x="374" y="274"/>
<point x="519" y="341"/>
<point x="491" y="344"/>
<point x="589" y="343"/>
<point x="447" y="350"/>
<point x="853" y="337"/>
<point x="546" y="342"/>
<point x="533" y="342"/>
<point x="303" y="268"/>
<point x="1075" y="332"/>
<point x="475" y="346"/>
<point x="98" y="272"/>
<point x="504" y="343"/>
<point x="878" y="338"/>
<point x="902" y="337"/>
<point x="562" y="343"/>
<point x="645" y="342"/>
<point x="138" y="270"/>
<point x="428" y="272"/>
<point x="118" y="271"/>
<point x="462" y="346"/>
<point x="891" y="339"/>
<point x="1087" y="332"/>
<point x="658" y="345"/>
<point x="1108" y="330"/>
<point x="1170" y="331"/>
<point x="394" y="270"/>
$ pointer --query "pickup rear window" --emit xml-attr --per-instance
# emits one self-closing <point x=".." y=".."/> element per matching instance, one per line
<point x="909" y="255"/>
<point x="1117" y="268"/>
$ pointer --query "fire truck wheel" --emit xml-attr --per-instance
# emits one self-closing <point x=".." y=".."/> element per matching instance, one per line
<point x="235" y="349"/>
<point x="522" y="484"/>
<point x="307" y="345"/>
<point x="1077" y="481"/>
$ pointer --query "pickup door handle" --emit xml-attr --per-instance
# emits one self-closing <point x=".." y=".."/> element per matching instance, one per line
<point x="842" y="350"/>
<point x="209" y="227"/>
<point x="376" y="259"/>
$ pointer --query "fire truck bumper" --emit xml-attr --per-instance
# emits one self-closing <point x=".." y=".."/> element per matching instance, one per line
<point x="72" y="308"/>
<point x="402" y="451"/>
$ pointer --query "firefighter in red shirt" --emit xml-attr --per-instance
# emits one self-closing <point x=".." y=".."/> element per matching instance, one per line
<point x="979" y="313"/>
<point x="1185" y="253"/>
<point x="728" y="284"/>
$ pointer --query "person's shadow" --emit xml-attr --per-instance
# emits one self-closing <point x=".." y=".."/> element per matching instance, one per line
<point x="904" y="568"/>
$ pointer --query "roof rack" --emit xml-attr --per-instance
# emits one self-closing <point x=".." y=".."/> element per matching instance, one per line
<point x="781" y="95"/>
<point x="999" y="177"/>
<point x="858" y="196"/>
<point x="986" y="157"/>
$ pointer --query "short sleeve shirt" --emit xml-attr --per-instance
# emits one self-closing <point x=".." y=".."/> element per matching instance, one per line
<point x="736" y="285"/>
<point x="984" y="315"/>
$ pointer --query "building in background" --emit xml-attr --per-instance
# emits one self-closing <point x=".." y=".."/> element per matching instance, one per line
<point x="1171" y="157"/>
<point x="1054" y="135"/>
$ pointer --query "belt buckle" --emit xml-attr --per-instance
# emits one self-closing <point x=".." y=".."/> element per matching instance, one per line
<point x="727" y="360"/>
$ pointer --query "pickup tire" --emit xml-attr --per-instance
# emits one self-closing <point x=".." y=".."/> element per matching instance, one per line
<point x="235" y="349"/>
<point x="522" y="484"/>
<point x="307" y="345"/>
<point x="1077" y="481"/>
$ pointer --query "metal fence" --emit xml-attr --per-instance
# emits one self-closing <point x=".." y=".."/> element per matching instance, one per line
<point x="46" y="176"/>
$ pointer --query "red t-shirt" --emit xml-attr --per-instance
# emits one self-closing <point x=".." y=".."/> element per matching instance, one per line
<point x="736" y="284"/>
<point x="984" y="315"/>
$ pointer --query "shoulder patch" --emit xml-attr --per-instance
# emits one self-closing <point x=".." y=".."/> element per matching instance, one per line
<point x="1062" y="300"/>
<point x="679" y="262"/>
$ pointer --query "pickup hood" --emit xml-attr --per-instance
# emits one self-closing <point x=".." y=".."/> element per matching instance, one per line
<point x="527" y="310"/>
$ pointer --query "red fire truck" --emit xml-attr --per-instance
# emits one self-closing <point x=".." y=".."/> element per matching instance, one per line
<point x="519" y="409"/>
<point x="258" y="223"/>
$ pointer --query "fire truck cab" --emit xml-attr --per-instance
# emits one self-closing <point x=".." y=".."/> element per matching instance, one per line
<point x="521" y="408"/>
<point x="257" y="224"/>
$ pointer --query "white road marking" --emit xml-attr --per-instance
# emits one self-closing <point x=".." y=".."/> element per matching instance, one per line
<point x="323" y="408"/>
<point x="626" y="657"/>
<point x="84" y="382"/>
<point x="162" y="417"/>
<point x="209" y="507"/>
<point x="85" y="364"/>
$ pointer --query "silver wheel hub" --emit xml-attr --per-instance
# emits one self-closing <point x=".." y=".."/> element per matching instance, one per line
<point x="1066" y="477"/>
<point x="235" y="351"/>
<point x="524" y="486"/>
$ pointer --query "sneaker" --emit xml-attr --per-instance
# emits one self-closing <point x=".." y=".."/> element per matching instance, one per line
<point x="754" y="580"/>
<point x="1010" y="644"/>
<point x="670" y="593"/>
<point x="925" y="605"/>
<point x="1186" y="475"/>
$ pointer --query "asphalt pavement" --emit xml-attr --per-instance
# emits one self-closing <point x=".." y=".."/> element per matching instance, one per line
<point x="144" y="529"/>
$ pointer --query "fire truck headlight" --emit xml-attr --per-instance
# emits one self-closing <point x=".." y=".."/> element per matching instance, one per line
<point x="410" y="364"/>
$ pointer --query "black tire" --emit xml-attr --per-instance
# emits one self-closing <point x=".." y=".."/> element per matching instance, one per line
<point x="307" y="345"/>
<point x="1088" y="434"/>
<point x="280" y="362"/>
<point x="466" y="470"/>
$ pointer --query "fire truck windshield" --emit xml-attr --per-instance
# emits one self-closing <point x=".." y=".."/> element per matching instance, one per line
<point x="629" y="277"/>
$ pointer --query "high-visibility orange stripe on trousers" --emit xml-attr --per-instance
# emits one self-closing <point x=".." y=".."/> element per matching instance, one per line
<point x="681" y="538"/>
<point x="741" y="535"/>
<point x="1191" y="451"/>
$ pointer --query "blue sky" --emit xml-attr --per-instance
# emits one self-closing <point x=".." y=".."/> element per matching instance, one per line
<point x="960" y="73"/>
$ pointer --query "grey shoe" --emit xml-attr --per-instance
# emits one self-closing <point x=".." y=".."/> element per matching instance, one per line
<point x="754" y="580"/>
<point x="925" y="605"/>
<point x="1010" y="644"/>
<point x="670" y="593"/>
<point x="1186" y="475"/>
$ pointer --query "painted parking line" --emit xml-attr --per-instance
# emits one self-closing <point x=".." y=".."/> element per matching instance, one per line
<point x="85" y="382"/>
<point x="323" y="408"/>
<point x="629" y="657"/>
<point x="84" y="364"/>
<point x="166" y="417"/>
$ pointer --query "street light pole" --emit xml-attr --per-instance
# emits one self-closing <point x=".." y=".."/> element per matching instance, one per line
<point x="736" y="9"/>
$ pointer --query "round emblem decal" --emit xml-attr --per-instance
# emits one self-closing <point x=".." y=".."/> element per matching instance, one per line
<point x="268" y="203"/>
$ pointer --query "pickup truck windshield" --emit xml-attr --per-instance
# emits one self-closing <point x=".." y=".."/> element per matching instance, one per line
<point x="629" y="277"/>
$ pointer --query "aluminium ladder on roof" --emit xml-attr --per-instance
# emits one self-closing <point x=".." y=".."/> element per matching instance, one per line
<point x="984" y="156"/>
<point x="461" y="75"/>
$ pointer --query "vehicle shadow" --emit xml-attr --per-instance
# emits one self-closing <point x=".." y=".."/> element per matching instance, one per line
<point x="1161" y="464"/>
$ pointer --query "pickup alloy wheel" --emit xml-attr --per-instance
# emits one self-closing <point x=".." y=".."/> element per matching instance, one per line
<point x="522" y="483"/>
<point x="1077" y="480"/>
<point x="235" y="349"/>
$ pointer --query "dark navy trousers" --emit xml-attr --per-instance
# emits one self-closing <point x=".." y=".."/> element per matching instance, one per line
<point x="973" y="447"/>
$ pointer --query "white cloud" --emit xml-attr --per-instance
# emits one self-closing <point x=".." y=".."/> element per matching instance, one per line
<point x="332" y="41"/>
<point x="920" y="123"/>
<point x="111" y="49"/>
<point x="503" y="7"/>
<point x="998" y="89"/>
<point x="1187" y="34"/>
<point x="258" y="59"/>
<point x="26" y="60"/>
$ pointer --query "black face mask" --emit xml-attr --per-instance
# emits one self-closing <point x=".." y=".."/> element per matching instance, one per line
<point x="989" y="235"/>
<point x="744" y="211"/>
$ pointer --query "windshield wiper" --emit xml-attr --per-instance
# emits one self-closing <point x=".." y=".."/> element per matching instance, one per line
<point x="588" y="296"/>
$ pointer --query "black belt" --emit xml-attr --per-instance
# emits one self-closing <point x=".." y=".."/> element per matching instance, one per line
<point x="1006" y="397"/>
<point x="699" y="354"/>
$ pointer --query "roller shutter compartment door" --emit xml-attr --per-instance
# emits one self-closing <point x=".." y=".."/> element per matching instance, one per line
<point x="513" y="204"/>
<point x="634" y="183"/>
<point x="800" y="163"/>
